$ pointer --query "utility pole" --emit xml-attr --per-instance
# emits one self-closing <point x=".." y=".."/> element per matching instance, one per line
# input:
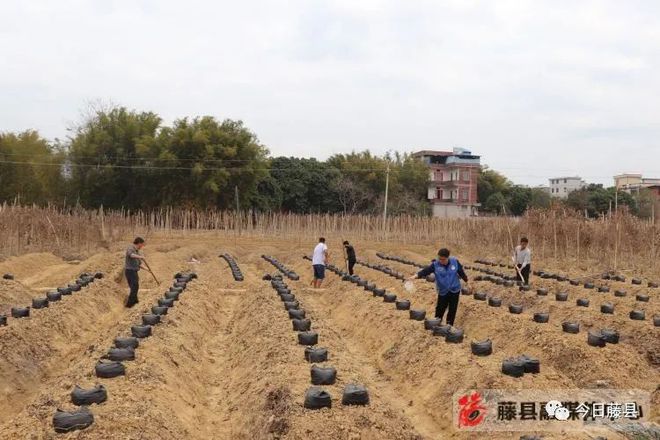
<point x="387" y="189"/>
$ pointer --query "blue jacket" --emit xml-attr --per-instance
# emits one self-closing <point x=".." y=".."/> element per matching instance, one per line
<point x="447" y="277"/>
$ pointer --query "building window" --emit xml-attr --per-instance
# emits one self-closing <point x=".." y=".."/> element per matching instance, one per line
<point x="564" y="180"/>
<point x="466" y="175"/>
<point x="465" y="194"/>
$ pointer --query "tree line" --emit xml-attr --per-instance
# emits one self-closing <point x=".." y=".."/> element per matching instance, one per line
<point x="119" y="158"/>
<point x="498" y="195"/>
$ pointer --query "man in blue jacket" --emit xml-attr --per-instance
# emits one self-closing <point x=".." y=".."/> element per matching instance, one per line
<point x="448" y="274"/>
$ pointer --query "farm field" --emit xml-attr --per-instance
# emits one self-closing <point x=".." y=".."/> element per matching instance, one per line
<point x="224" y="363"/>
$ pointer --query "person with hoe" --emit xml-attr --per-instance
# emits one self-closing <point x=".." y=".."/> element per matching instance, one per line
<point x="133" y="263"/>
<point x="448" y="273"/>
<point x="522" y="259"/>
<point x="351" y="259"/>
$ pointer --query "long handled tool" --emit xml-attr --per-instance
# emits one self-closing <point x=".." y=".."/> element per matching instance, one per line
<point x="151" y="272"/>
<point x="522" y="279"/>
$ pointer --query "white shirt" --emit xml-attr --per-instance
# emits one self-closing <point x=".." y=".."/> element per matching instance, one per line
<point x="319" y="254"/>
<point x="523" y="256"/>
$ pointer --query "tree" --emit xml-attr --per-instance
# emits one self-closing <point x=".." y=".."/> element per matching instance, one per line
<point x="30" y="169"/>
<point x="121" y="158"/>
<point x="491" y="182"/>
<point x="306" y="185"/>
<point x="645" y="200"/>
<point x="540" y="199"/>
<point x="409" y="181"/>
<point x="519" y="198"/>
<point x="213" y="158"/>
<point x="103" y="156"/>
<point x="597" y="200"/>
<point x="496" y="203"/>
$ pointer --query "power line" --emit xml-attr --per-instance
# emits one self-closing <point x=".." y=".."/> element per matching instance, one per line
<point x="103" y="157"/>
<point x="154" y="167"/>
<point x="99" y="165"/>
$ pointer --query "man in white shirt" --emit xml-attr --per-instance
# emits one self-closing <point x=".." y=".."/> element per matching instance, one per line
<point x="319" y="260"/>
<point x="522" y="258"/>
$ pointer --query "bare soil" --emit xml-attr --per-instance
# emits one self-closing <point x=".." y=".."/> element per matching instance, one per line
<point x="225" y="363"/>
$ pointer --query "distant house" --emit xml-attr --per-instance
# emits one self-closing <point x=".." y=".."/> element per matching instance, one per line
<point x="561" y="187"/>
<point x="452" y="191"/>
<point x="634" y="182"/>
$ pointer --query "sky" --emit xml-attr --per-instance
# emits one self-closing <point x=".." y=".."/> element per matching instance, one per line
<point x="539" y="89"/>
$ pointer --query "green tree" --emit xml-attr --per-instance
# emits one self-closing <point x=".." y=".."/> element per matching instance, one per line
<point x="496" y="203"/>
<point x="104" y="153"/>
<point x="306" y="185"/>
<point x="30" y="169"/>
<point x="409" y="181"/>
<point x="212" y="159"/>
<point x="597" y="200"/>
<point x="121" y="158"/>
<point x="645" y="200"/>
<point x="540" y="199"/>
<point x="491" y="182"/>
<point x="519" y="199"/>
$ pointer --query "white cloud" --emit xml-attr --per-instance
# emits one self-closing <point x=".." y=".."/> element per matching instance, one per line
<point x="537" y="87"/>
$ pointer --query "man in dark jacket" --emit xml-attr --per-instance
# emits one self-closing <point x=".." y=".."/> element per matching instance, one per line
<point x="350" y="256"/>
<point x="448" y="274"/>
<point x="133" y="263"/>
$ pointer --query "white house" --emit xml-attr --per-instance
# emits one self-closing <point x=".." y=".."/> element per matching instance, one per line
<point x="561" y="187"/>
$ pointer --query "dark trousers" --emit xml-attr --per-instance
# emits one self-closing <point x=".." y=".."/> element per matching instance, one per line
<point x="351" y="265"/>
<point x="448" y="301"/>
<point x="134" y="284"/>
<point x="525" y="273"/>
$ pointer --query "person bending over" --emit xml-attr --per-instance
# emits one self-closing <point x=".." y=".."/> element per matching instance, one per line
<point x="448" y="274"/>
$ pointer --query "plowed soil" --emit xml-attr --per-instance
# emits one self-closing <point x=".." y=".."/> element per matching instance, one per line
<point x="225" y="364"/>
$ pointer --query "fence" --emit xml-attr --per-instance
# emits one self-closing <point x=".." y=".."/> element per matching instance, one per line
<point x="555" y="234"/>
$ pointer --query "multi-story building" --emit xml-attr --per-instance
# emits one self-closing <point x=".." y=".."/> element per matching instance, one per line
<point x="452" y="191"/>
<point x="561" y="187"/>
<point x="633" y="182"/>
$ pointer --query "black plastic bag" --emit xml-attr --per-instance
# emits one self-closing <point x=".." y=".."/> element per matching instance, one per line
<point x="355" y="395"/>
<point x="109" y="369"/>
<point x="150" y="319"/>
<point x="323" y="375"/>
<point x="570" y="327"/>
<point x="308" y="338"/>
<point x="317" y="398"/>
<point x="141" y="331"/>
<point x="121" y="354"/>
<point x="80" y="396"/>
<point x="482" y="348"/>
<point x="67" y="421"/>
<point x="127" y="342"/>
<point x="316" y="354"/>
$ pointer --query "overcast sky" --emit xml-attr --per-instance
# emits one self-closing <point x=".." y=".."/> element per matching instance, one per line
<point x="537" y="88"/>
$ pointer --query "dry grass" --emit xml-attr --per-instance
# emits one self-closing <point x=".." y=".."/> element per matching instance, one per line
<point x="619" y="241"/>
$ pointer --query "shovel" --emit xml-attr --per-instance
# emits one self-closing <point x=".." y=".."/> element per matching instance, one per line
<point x="151" y="272"/>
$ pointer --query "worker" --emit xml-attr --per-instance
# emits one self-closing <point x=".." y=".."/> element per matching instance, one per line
<point x="448" y="274"/>
<point x="350" y="257"/>
<point x="522" y="257"/>
<point x="319" y="261"/>
<point x="131" y="267"/>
